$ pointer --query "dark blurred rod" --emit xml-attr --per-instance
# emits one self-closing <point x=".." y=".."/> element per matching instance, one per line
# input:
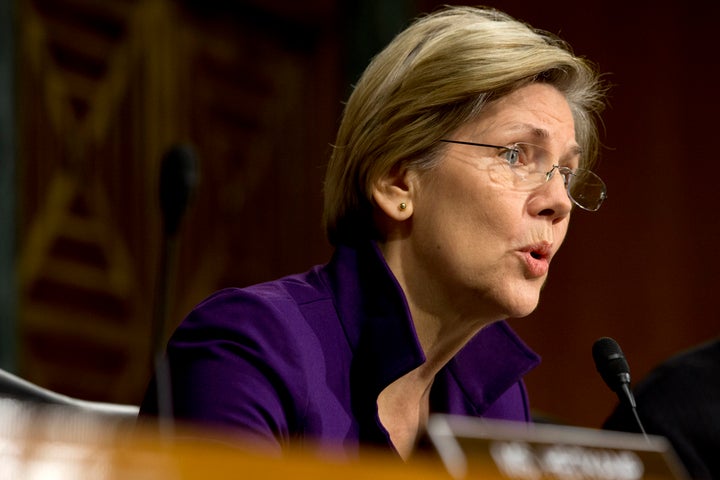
<point x="178" y="179"/>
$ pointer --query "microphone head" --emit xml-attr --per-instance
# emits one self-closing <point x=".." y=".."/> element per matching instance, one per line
<point x="178" y="178"/>
<point x="611" y="363"/>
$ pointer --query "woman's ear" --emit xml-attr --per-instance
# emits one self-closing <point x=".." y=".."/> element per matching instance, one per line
<point x="393" y="193"/>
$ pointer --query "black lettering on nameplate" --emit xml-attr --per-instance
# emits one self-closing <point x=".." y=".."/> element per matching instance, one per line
<point x="476" y="448"/>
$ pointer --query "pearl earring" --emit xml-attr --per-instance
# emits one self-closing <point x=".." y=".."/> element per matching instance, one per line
<point x="403" y="206"/>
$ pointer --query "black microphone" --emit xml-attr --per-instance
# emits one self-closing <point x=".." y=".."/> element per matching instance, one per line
<point x="615" y="371"/>
<point x="178" y="179"/>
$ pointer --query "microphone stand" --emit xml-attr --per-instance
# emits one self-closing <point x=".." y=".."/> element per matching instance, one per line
<point x="178" y="178"/>
<point x="168" y="247"/>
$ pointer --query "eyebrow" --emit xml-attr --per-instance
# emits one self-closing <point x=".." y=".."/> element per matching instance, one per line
<point x="543" y="134"/>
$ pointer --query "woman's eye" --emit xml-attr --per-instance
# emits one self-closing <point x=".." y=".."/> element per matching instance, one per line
<point x="512" y="155"/>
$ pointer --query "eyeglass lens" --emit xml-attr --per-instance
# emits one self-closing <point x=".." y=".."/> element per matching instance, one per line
<point x="584" y="187"/>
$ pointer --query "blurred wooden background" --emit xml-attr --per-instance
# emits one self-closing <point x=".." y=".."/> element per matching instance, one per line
<point x="102" y="89"/>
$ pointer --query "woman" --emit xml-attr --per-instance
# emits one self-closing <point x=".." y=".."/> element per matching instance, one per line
<point x="455" y="170"/>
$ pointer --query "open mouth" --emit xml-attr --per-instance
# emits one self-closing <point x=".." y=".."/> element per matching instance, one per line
<point x="539" y="252"/>
<point x="537" y="260"/>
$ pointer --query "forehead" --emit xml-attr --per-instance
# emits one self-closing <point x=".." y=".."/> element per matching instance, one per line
<point x="536" y="112"/>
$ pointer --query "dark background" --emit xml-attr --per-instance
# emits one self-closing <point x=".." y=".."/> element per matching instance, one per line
<point x="99" y="91"/>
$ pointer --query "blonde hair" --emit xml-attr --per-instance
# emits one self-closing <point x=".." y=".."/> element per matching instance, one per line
<point x="431" y="79"/>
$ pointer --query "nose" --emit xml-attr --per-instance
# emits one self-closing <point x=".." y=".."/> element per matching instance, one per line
<point x="551" y="200"/>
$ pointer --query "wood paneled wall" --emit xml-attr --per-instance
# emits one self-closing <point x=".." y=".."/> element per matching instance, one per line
<point x="105" y="89"/>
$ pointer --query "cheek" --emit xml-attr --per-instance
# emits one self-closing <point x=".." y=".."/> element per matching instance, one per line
<point x="503" y="210"/>
<point x="560" y="231"/>
<point x="469" y="203"/>
<point x="481" y="225"/>
<point x="463" y="205"/>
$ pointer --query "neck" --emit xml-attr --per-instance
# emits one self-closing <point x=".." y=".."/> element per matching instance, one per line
<point x="442" y="328"/>
<point x="442" y="323"/>
<point x="442" y="338"/>
<point x="403" y="409"/>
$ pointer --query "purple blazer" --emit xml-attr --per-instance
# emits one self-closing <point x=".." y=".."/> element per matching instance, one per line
<point x="304" y="358"/>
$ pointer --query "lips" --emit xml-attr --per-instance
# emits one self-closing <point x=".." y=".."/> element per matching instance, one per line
<point x="540" y="251"/>
<point x="537" y="259"/>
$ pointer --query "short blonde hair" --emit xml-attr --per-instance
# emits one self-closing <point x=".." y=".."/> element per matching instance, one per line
<point x="432" y="78"/>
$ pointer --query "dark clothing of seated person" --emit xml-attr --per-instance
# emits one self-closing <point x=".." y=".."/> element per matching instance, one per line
<point x="462" y="151"/>
<point x="680" y="400"/>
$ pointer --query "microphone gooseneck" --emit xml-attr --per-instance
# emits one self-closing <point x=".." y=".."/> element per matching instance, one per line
<point x="177" y="183"/>
<point x="615" y="372"/>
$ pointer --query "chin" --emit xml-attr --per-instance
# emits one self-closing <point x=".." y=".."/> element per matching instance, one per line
<point x="520" y="314"/>
<point x="523" y="307"/>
